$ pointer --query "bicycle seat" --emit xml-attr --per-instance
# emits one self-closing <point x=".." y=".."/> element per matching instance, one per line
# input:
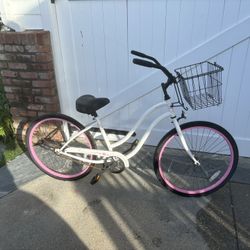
<point x="89" y="104"/>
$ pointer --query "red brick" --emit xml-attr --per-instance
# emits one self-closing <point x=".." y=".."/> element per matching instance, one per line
<point x="11" y="89"/>
<point x="36" y="92"/>
<point x="17" y="65"/>
<point x="49" y="92"/>
<point x="2" y="38"/>
<point x="46" y="75"/>
<point x="22" y="112"/>
<point x="13" y="48"/>
<point x="28" y="113"/>
<point x="26" y="99"/>
<point x="27" y="91"/>
<point x="28" y="38"/>
<point x="25" y="38"/>
<point x="28" y="55"/>
<point x="37" y="48"/>
<point x="12" y="97"/>
<point x="43" y="57"/>
<point x="3" y="65"/>
<point x="52" y="107"/>
<point x="9" y="73"/>
<point x="7" y="81"/>
<point x="9" y="38"/>
<point x="28" y="75"/>
<point x="43" y="38"/>
<point x="7" y="57"/>
<point x="41" y="66"/>
<point x="37" y="107"/>
<point x="25" y="58"/>
<point x="18" y="38"/>
<point x="15" y="111"/>
<point x="16" y="82"/>
<point x="21" y="82"/>
<point x="43" y="84"/>
<point x="46" y="100"/>
<point x="41" y="113"/>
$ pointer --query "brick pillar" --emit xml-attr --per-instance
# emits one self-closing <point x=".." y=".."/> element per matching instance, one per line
<point x="27" y="71"/>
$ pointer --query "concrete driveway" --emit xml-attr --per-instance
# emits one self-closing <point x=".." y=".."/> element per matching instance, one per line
<point x="130" y="210"/>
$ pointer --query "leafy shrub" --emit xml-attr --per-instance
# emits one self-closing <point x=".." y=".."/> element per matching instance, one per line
<point x="6" y="122"/>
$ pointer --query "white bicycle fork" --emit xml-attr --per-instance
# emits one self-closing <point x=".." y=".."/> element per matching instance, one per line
<point x="184" y="143"/>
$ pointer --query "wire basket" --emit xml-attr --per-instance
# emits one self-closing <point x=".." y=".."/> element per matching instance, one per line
<point x="201" y="84"/>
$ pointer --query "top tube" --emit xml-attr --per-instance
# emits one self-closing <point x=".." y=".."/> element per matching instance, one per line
<point x="142" y="118"/>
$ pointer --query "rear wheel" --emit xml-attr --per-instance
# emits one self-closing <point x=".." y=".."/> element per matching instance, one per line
<point x="50" y="132"/>
<point x="211" y="145"/>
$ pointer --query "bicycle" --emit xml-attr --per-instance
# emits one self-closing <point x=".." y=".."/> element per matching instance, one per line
<point x="192" y="159"/>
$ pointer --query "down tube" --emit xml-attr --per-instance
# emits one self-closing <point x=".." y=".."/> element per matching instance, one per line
<point x="120" y="142"/>
<point x="147" y="133"/>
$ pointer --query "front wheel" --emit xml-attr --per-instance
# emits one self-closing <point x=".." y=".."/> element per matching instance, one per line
<point x="48" y="133"/>
<point x="211" y="145"/>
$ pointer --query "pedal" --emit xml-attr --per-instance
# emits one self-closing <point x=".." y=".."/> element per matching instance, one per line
<point x="95" y="179"/>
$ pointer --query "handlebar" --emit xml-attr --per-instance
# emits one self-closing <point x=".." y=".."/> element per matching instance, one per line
<point x="137" y="53"/>
<point x="148" y="64"/>
<point x="145" y="63"/>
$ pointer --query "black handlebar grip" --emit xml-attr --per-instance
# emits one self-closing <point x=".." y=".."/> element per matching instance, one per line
<point x="154" y="65"/>
<point x="137" y="53"/>
<point x="144" y="63"/>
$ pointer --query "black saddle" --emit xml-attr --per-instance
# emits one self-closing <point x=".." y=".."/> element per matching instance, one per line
<point x="89" y="104"/>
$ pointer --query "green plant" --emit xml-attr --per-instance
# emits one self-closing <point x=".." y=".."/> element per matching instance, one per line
<point x="6" y="122"/>
<point x="11" y="150"/>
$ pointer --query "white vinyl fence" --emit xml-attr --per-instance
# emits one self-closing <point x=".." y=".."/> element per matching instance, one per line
<point x="93" y="39"/>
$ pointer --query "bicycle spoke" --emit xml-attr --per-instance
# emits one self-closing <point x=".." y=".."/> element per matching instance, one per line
<point x="48" y="135"/>
<point x="209" y="147"/>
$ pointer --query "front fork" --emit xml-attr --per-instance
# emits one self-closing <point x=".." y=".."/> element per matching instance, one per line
<point x="183" y="142"/>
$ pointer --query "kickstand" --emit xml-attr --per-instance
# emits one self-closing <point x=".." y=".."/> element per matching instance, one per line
<point x="97" y="177"/>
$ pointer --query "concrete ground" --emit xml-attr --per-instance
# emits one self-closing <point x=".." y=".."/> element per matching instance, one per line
<point x="130" y="210"/>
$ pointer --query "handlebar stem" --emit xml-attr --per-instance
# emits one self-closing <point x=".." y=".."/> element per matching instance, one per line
<point x="165" y="87"/>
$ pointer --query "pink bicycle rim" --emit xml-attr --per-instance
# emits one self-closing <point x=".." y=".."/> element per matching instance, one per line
<point x="41" y="164"/>
<point x="203" y="190"/>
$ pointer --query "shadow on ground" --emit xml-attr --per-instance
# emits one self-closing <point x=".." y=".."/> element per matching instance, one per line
<point x="26" y="222"/>
<point x="130" y="210"/>
<point x="136" y="212"/>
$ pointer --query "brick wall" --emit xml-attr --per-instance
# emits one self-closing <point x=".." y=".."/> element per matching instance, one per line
<point x="27" y="71"/>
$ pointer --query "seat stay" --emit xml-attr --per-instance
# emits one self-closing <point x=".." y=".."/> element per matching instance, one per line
<point x="75" y="135"/>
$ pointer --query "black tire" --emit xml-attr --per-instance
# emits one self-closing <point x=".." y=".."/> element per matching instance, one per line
<point x="177" y="176"/>
<point x="41" y="150"/>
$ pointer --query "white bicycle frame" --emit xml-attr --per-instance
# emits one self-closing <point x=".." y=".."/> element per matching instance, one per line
<point x="104" y="154"/>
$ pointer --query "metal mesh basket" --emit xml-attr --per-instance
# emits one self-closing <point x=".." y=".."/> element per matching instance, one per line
<point x="201" y="84"/>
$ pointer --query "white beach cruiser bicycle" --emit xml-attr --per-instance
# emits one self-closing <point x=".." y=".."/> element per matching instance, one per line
<point x="194" y="158"/>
